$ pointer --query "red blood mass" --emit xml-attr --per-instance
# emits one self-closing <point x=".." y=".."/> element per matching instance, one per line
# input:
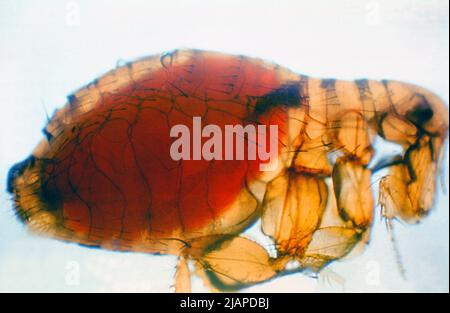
<point x="107" y="169"/>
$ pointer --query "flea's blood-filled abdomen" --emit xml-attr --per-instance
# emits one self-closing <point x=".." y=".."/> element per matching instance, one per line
<point x="106" y="168"/>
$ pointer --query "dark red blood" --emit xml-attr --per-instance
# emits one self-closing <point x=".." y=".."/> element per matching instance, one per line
<point x="116" y="177"/>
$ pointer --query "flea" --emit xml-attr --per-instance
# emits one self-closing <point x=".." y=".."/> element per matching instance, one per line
<point x="103" y="175"/>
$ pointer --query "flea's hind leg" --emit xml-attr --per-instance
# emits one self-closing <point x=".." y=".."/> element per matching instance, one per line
<point x="350" y="215"/>
<point x="182" y="276"/>
<point x="292" y="212"/>
<point x="293" y="209"/>
<point x="350" y="210"/>
<point x="236" y="262"/>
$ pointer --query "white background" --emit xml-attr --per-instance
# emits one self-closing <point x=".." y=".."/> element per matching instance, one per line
<point x="48" y="49"/>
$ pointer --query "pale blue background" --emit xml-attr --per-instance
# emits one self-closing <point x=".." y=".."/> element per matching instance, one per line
<point x="50" y="48"/>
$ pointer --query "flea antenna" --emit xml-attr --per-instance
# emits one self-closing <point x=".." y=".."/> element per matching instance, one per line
<point x="398" y="257"/>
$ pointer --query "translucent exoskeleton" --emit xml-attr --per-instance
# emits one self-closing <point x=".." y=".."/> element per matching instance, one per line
<point x="103" y="175"/>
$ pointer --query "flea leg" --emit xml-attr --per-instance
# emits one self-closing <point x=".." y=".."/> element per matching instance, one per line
<point x="335" y="239"/>
<point x="295" y="202"/>
<point x="239" y="262"/>
<point x="235" y="263"/>
<point x="292" y="215"/>
<point x="352" y="188"/>
<point x="350" y="226"/>
<point x="329" y="277"/>
<point x="329" y="244"/>
<point x="182" y="276"/>
<point x="292" y="210"/>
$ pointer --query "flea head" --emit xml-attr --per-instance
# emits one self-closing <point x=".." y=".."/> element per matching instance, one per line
<point x="35" y="204"/>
